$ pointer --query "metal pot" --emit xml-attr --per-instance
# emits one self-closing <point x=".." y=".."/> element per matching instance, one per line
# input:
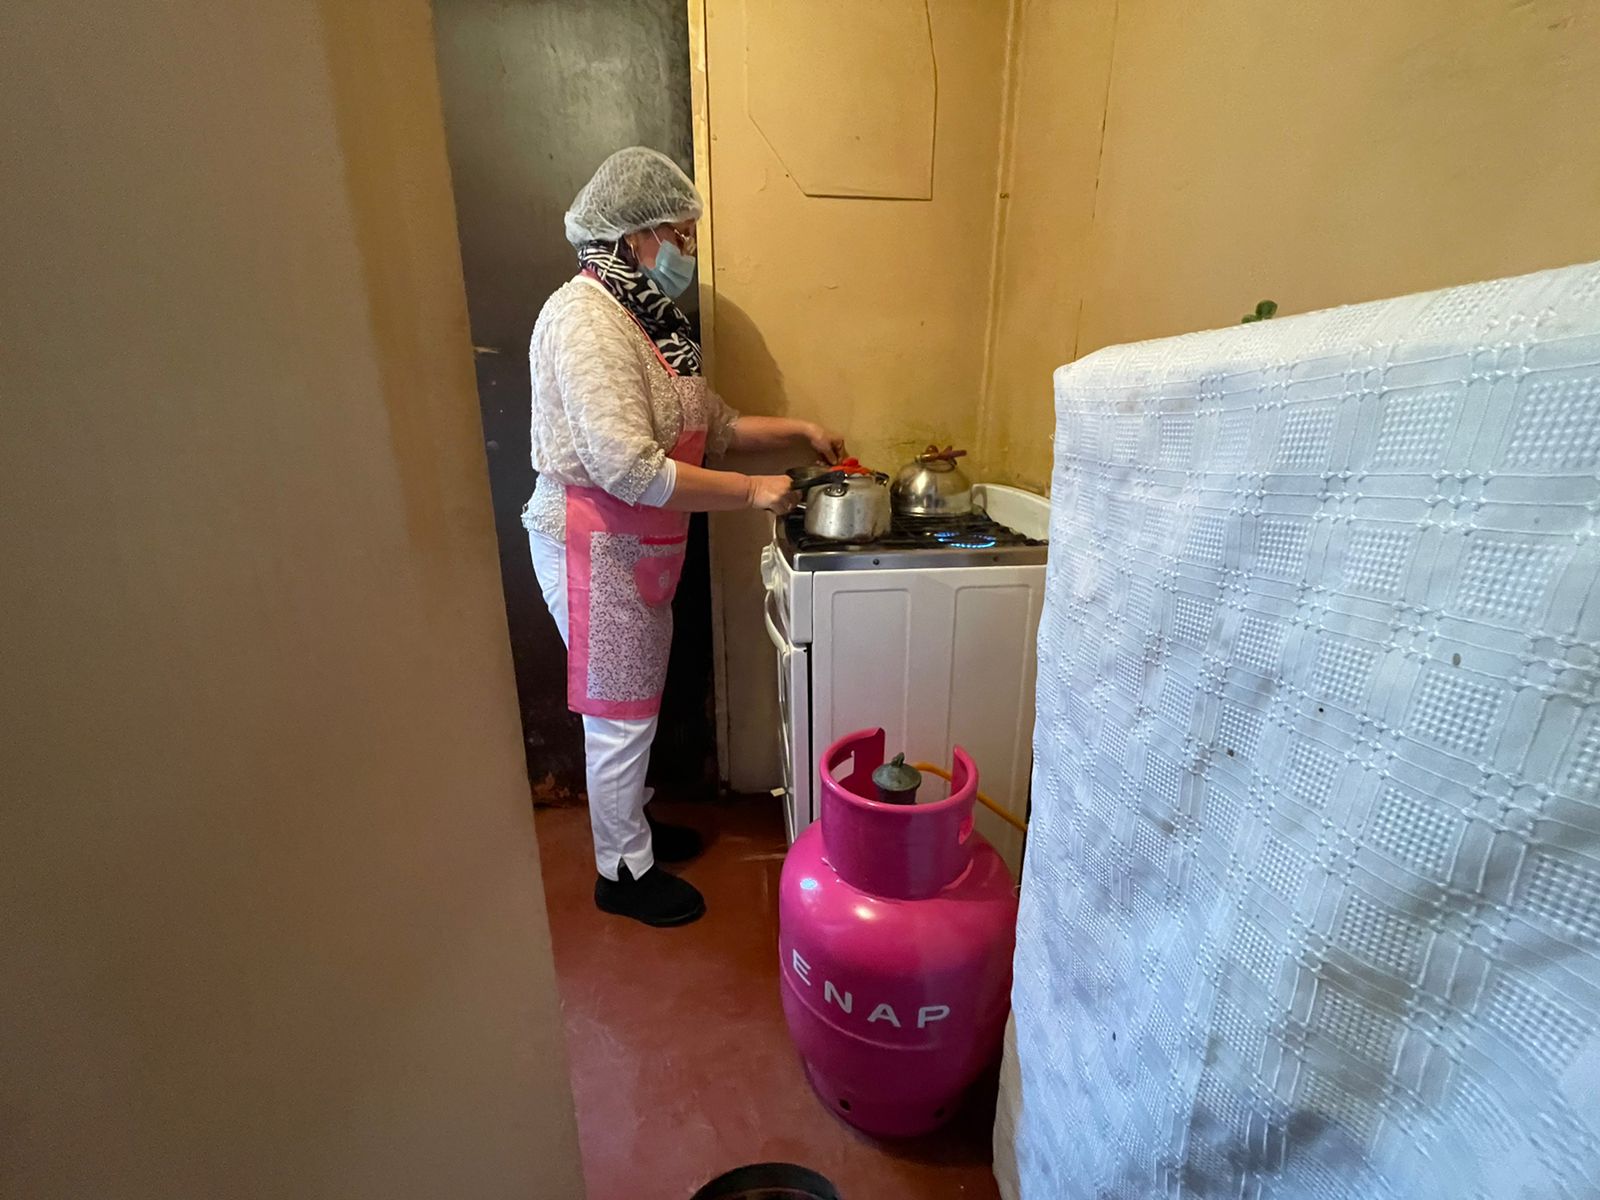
<point x="931" y="485"/>
<point x="848" y="508"/>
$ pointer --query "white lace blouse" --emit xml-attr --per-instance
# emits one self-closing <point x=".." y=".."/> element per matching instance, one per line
<point x="605" y="413"/>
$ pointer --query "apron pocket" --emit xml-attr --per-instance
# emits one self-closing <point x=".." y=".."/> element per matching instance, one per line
<point x="658" y="569"/>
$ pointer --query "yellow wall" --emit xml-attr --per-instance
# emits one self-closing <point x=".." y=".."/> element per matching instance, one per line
<point x="867" y="314"/>
<point x="273" y="923"/>
<point x="1313" y="153"/>
<point x="1162" y="166"/>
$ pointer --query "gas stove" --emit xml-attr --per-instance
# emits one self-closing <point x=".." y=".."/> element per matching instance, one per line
<point x="927" y="633"/>
<point x="971" y="540"/>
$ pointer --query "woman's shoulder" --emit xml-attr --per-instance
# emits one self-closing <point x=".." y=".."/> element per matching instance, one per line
<point x="582" y="333"/>
<point x="584" y="308"/>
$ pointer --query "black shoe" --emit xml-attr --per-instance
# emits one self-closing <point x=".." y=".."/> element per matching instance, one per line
<point x="674" y="843"/>
<point x="655" y="898"/>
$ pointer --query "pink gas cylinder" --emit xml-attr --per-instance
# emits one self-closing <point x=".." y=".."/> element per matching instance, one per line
<point x="896" y="924"/>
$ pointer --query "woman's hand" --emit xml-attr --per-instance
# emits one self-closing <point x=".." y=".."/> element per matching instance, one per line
<point x="781" y="433"/>
<point x="828" y="445"/>
<point x="775" y="493"/>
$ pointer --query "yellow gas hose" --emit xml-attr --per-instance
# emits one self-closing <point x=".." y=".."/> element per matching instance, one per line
<point x="1014" y="822"/>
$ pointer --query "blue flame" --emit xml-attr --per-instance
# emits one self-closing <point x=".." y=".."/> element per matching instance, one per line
<point x="957" y="540"/>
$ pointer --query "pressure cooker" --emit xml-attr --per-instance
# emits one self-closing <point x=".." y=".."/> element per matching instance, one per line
<point x="847" y="503"/>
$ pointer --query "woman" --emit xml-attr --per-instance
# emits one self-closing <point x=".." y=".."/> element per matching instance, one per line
<point x="622" y="422"/>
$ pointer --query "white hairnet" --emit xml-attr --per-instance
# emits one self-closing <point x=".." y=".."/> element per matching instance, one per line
<point x="634" y="189"/>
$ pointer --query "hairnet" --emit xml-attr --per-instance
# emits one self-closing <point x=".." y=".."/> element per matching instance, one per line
<point x="634" y="189"/>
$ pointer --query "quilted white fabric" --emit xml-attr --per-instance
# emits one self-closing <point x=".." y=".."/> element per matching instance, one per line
<point x="1312" y="896"/>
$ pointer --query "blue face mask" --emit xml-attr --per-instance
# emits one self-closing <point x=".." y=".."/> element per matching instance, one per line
<point x="674" y="270"/>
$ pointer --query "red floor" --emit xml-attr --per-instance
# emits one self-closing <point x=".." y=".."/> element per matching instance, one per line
<point x="681" y="1064"/>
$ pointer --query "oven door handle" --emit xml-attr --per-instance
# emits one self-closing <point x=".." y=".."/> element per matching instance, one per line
<point x="769" y="615"/>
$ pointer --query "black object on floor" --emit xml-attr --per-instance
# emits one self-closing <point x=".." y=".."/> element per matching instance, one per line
<point x="769" y="1181"/>
<point x="655" y="898"/>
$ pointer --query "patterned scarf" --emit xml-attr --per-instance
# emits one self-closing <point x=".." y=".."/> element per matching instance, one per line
<point x="663" y="320"/>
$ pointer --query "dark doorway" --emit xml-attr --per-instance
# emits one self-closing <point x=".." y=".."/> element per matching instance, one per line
<point x="536" y="93"/>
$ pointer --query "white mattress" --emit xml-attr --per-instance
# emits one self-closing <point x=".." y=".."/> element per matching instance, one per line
<point x="1312" y="899"/>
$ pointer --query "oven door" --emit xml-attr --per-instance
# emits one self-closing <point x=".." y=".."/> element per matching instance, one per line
<point x="794" y="720"/>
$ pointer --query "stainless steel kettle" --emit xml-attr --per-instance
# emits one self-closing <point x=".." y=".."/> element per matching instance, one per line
<point x="931" y="485"/>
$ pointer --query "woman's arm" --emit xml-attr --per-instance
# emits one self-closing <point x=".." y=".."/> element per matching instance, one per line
<point x="698" y="489"/>
<point x="773" y="433"/>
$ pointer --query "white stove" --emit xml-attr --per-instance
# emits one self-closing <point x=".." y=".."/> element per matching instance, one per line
<point x="928" y="632"/>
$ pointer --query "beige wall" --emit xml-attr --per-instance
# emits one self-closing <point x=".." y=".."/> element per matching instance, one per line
<point x="273" y="920"/>
<point x="1163" y="166"/>
<point x="1313" y="153"/>
<point x="867" y="314"/>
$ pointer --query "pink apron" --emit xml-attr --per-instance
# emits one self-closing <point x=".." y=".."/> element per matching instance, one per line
<point x="623" y="564"/>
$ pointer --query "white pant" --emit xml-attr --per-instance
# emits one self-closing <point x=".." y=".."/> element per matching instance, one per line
<point x="615" y="753"/>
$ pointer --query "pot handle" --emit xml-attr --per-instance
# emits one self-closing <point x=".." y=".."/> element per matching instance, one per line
<point x="948" y="454"/>
<point x="826" y="479"/>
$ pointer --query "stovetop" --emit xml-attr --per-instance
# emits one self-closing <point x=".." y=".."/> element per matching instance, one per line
<point x="973" y="540"/>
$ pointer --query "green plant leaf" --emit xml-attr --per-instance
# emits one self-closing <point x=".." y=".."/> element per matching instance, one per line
<point x="1267" y="308"/>
<point x="1248" y="317"/>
